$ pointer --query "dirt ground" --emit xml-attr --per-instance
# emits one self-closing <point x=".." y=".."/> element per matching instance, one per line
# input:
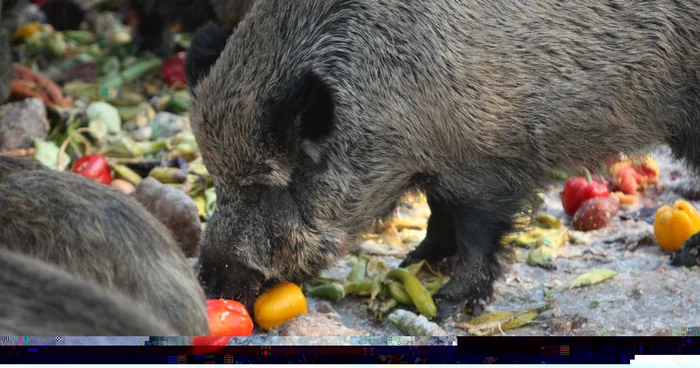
<point x="647" y="297"/>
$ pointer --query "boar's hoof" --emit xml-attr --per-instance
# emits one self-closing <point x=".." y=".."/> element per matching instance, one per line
<point x="471" y="286"/>
<point x="689" y="254"/>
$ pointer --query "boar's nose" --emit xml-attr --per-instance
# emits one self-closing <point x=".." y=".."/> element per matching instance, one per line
<point x="244" y="290"/>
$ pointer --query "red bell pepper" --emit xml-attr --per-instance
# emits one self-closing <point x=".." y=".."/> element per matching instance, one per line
<point x="173" y="70"/>
<point x="580" y="189"/>
<point x="94" y="167"/>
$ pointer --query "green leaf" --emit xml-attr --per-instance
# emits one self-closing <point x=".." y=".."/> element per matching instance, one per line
<point x="47" y="153"/>
<point x="210" y="197"/>
<point x="106" y="113"/>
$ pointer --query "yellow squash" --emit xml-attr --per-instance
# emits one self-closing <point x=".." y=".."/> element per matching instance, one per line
<point x="278" y="305"/>
<point x="674" y="225"/>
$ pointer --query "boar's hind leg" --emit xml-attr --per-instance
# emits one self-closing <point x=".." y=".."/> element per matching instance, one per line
<point x="479" y="227"/>
<point x="440" y="240"/>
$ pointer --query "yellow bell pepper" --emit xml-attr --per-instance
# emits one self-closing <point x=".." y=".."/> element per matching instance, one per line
<point x="278" y="305"/>
<point x="673" y="226"/>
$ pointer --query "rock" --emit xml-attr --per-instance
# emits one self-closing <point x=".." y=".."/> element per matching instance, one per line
<point x="636" y="293"/>
<point x="175" y="209"/>
<point x="562" y="325"/>
<point x="317" y="324"/>
<point x="21" y="123"/>
<point x="324" y="307"/>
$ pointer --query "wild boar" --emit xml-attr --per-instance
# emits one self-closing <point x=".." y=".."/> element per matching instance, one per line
<point x="315" y="116"/>
<point x="40" y="299"/>
<point x="97" y="233"/>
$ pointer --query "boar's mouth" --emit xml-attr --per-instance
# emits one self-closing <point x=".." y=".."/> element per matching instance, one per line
<point x="234" y="282"/>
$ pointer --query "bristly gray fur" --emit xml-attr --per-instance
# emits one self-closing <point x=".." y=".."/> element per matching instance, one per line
<point x="40" y="299"/>
<point x="97" y="233"/>
<point x="473" y="102"/>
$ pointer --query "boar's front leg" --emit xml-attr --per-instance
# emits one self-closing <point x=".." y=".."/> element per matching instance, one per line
<point x="479" y="227"/>
<point x="440" y="239"/>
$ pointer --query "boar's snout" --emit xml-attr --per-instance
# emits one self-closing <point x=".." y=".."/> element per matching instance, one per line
<point x="234" y="281"/>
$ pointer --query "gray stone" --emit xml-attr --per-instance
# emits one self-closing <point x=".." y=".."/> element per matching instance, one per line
<point x="21" y="123"/>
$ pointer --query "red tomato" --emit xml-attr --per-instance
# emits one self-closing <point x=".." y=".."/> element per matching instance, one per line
<point x="94" y="167"/>
<point x="228" y="318"/>
<point x="173" y="70"/>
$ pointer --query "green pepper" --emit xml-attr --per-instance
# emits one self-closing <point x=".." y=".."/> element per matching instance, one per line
<point x="330" y="291"/>
<point x="416" y="291"/>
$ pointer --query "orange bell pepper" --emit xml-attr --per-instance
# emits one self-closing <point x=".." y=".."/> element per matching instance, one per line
<point x="630" y="175"/>
<point x="26" y="30"/>
<point x="278" y="305"/>
<point x="674" y="225"/>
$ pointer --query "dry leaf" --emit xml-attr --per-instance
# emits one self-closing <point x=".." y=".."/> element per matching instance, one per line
<point x="591" y="278"/>
<point x="406" y="223"/>
<point x="383" y="249"/>
<point x="412" y="236"/>
<point x="491" y="323"/>
<point x="540" y="256"/>
<point x="391" y="236"/>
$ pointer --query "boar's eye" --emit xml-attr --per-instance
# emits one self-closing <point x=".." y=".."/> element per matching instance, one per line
<point x="252" y="193"/>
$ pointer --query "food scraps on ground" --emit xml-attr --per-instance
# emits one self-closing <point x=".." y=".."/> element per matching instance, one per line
<point x="591" y="278"/>
<point x="630" y="176"/>
<point x="596" y="213"/>
<point x="674" y="225"/>
<point x="625" y="198"/>
<point x="123" y="186"/>
<point x="383" y="288"/>
<point x="278" y="305"/>
<point x="173" y="70"/>
<point x="493" y="323"/>
<point x="94" y="167"/>
<point x="580" y="189"/>
<point x="33" y="84"/>
<point x="415" y="290"/>
<point x="228" y="318"/>
<point x="414" y="325"/>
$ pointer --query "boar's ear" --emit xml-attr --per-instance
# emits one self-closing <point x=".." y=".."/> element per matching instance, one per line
<point x="304" y="116"/>
<point x="205" y="48"/>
